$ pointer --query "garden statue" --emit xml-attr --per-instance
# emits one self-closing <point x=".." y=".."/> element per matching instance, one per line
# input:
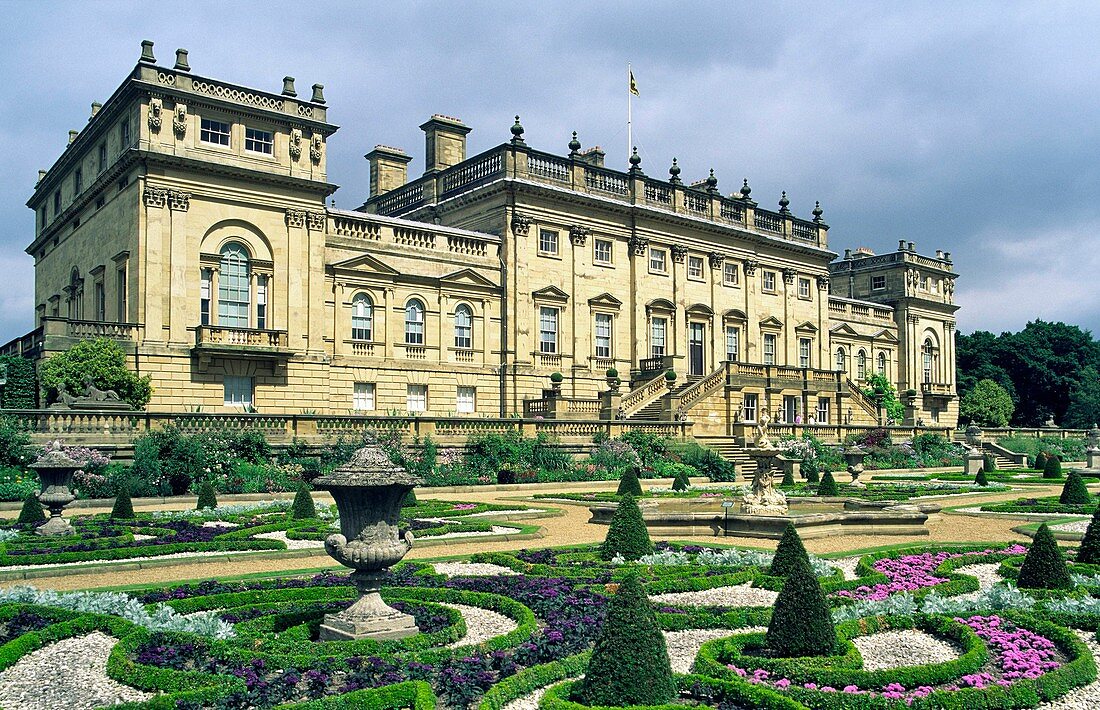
<point x="1092" y="451"/>
<point x="762" y="440"/>
<point x="974" y="460"/>
<point x="93" y="398"/>
<point x="368" y="491"/>
<point x="765" y="498"/>
<point x="56" y="470"/>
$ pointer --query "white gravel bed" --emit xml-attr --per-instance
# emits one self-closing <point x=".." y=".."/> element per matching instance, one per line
<point x="491" y="513"/>
<point x="977" y="510"/>
<point x="897" y="649"/>
<point x="472" y="569"/>
<point x="219" y="524"/>
<point x="83" y="563"/>
<point x="1074" y="526"/>
<point x="1087" y="697"/>
<point x="481" y="625"/>
<point x="495" y="530"/>
<point x="531" y="700"/>
<point x="70" y="674"/>
<point x="986" y="572"/>
<point x="280" y="535"/>
<point x="138" y="537"/>
<point x="683" y="646"/>
<point x="740" y="595"/>
<point x="847" y="565"/>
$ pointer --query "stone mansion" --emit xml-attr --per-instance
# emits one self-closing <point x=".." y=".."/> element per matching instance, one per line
<point x="187" y="220"/>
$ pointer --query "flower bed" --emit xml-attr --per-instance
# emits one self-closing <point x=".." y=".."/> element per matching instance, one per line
<point x="1048" y="504"/>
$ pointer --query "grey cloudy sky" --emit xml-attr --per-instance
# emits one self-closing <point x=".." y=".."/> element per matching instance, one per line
<point x="970" y="127"/>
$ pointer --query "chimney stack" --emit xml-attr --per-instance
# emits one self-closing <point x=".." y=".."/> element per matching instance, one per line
<point x="388" y="169"/>
<point x="96" y="106"/>
<point x="72" y="136"/>
<point x="444" y="142"/>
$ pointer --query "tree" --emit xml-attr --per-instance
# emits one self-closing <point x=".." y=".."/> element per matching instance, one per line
<point x="627" y="535"/>
<point x="1052" y="468"/>
<point x="104" y="362"/>
<point x="981" y="479"/>
<point x="881" y="389"/>
<point x="788" y="552"/>
<point x="987" y="404"/>
<point x="1044" y="567"/>
<point x="977" y="356"/>
<point x="207" y="497"/>
<point x="1074" y="491"/>
<point x="123" y="508"/>
<point x="1084" y="401"/>
<point x="302" y="508"/>
<point x="1089" y="551"/>
<point x="31" y="512"/>
<point x="629" y="663"/>
<point x="629" y="485"/>
<point x="801" y="624"/>
<point x="828" y="486"/>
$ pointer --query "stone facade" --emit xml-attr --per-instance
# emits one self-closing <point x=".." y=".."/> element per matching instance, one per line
<point x="188" y="221"/>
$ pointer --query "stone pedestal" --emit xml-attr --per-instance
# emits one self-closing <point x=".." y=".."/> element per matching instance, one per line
<point x="974" y="462"/>
<point x="765" y="498"/>
<point x="55" y="469"/>
<point x="370" y="617"/>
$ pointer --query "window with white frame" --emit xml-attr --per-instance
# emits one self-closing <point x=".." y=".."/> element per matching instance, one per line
<point x="466" y="400"/>
<point x="205" y="296"/>
<point x="861" y="365"/>
<point x="464" y="327"/>
<point x="120" y="295"/>
<point x="658" y="336"/>
<point x="414" y="323"/>
<point x="657" y="261"/>
<point x="878" y="283"/>
<point x="603" y="335"/>
<point x="602" y="251"/>
<point x="804" y="288"/>
<point x="362" y="397"/>
<point x="882" y="363"/>
<point x="257" y="141"/>
<point x="805" y="349"/>
<point x="733" y="343"/>
<point x="548" y="330"/>
<point x="238" y="391"/>
<point x="768" y="281"/>
<point x="416" y="398"/>
<point x="841" y="359"/>
<point x="233" y="287"/>
<point x="548" y="242"/>
<point x="748" y="407"/>
<point x="362" y="317"/>
<point x="769" y="348"/>
<point x="731" y="275"/>
<point x="261" y="302"/>
<point x="928" y="359"/>
<point x="695" y="268"/>
<point x="822" y="410"/>
<point x="215" y="132"/>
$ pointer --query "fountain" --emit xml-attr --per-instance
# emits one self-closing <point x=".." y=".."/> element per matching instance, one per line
<point x="765" y="498"/>
<point x="56" y="469"/>
<point x="368" y="491"/>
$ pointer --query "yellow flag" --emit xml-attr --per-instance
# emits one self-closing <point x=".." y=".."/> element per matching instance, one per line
<point x="633" y="84"/>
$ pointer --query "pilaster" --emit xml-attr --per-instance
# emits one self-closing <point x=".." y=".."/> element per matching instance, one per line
<point x="179" y="296"/>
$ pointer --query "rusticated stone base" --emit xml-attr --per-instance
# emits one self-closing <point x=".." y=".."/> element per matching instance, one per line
<point x="336" y="627"/>
<point x="56" y="527"/>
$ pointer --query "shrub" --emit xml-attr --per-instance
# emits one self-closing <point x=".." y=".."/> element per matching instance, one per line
<point x="302" y="508"/>
<point x="612" y="373"/>
<point x="15" y="443"/>
<point x="123" y="508"/>
<point x="651" y="448"/>
<point x="207" y="498"/>
<point x="788" y="552"/>
<point x="627" y="534"/>
<point x="708" y="463"/>
<point x="670" y="376"/>
<point x="1074" y="491"/>
<point x="981" y="479"/>
<point x="21" y="390"/>
<point x="409" y="501"/>
<point x="788" y="476"/>
<point x="680" y="474"/>
<point x="31" y="512"/>
<point x="16" y="483"/>
<point x="828" y="486"/>
<point x="801" y="624"/>
<point x="1089" y="551"/>
<point x="629" y="664"/>
<point x="1041" y="460"/>
<point x="104" y="362"/>
<point x="557" y="378"/>
<point x="1044" y="567"/>
<point x="989" y="463"/>
<point x="1052" y="468"/>
<point x="812" y="475"/>
<point x="629" y="485"/>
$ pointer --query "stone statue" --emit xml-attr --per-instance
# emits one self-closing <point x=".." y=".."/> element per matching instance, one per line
<point x="762" y="440"/>
<point x="765" y="498"/>
<point x="92" y="398"/>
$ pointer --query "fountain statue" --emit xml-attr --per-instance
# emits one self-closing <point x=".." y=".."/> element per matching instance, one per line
<point x="762" y="440"/>
<point x="368" y="491"/>
<point x="55" y="469"/>
<point x="765" y="498"/>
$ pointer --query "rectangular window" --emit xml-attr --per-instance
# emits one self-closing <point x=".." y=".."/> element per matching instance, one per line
<point x="731" y="275"/>
<point x="548" y="242"/>
<point x="803" y="288"/>
<point x="238" y="391"/>
<point x="124" y="134"/>
<point x="466" y="400"/>
<point x="102" y="164"/>
<point x="695" y="268"/>
<point x="362" y="397"/>
<point x="416" y="398"/>
<point x="261" y="302"/>
<point x="214" y="132"/>
<point x="805" y="347"/>
<point x="78" y="181"/>
<point x="42" y="217"/>
<point x="748" y="408"/>
<point x="769" y="348"/>
<point x="769" y="281"/>
<point x="120" y="293"/>
<point x="548" y="330"/>
<point x="603" y="335"/>
<point x="56" y="203"/>
<point x="823" y="410"/>
<point x="658" y="336"/>
<point x="100" y="302"/>
<point x="602" y="253"/>
<point x="878" y="283"/>
<point x="657" y="261"/>
<point x="733" y="343"/>
<point x="205" y="297"/>
<point x="259" y="141"/>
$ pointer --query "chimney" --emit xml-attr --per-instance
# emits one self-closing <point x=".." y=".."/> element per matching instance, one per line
<point x="444" y="142"/>
<point x="72" y="136"/>
<point x="388" y="169"/>
<point x="593" y="156"/>
<point x="96" y="106"/>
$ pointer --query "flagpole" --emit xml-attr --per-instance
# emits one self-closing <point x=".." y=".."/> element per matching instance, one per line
<point x="629" y="94"/>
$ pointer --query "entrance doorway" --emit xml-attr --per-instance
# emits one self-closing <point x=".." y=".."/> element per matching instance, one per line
<point x="696" y="363"/>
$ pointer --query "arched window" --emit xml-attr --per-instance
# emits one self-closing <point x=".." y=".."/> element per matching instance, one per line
<point x="861" y="365"/>
<point x="362" y="318"/>
<point x="928" y="353"/>
<point x="233" y="287"/>
<point x="464" y="327"/>
<point x="882" y="363"/>
<point x="414" y="323"/>
<point x="841" y="360"/>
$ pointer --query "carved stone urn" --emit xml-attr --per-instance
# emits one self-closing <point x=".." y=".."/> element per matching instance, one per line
<point x="55" y="470"/>
<point x="368" y="491"/>
<point x="854" y="456"/>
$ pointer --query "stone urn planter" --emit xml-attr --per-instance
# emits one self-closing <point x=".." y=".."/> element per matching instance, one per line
<point x="55" y="469"/>
<point x="854" y="456"/>
<point x="368" y="491"/>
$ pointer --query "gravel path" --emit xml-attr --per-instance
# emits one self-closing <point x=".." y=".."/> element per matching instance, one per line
<point x="481" y="625"/>
<point x="897" y="649"/>
<point x="847" y="565"/>
<point x="491" y="513"/>
<point x="986" y="572"/>
<point x="472" y="569"/>
<point x="531" y="700"/>
<point x="70" y="674"/>
<point x="740" y="595"/>
<point x="1075" y="526"/>
<point x="683" y="646"/>
<point x="280" y="535"/>
<point x="1087" y="697"/>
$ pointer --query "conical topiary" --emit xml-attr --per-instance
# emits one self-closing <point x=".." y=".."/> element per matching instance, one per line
<point x="680" y="481"/>
<point x="409" y="501"/>
<point x="788" y="476"/>
<point x="1074" y="491"/>
<point x="828" y="486"/>
<point x="1089" y="551"/>
<point x="1052" y="468"/>
<point x="629" y="483"/>
<point x="1044" y="567"/>
<point x="801" y="624"/>
<point x="31" y="511"/>
<point x="123" y="508"/>
<point x="1041" y="461"/>
<point x="629" y="664"/>
<point x="981" y="479"/>
<point x="302" y="508"/>
<point x="812" y="476"/>
<point x="789" y="550"/>
<point x="627" y="534"/>
<point x="207" y="497"/>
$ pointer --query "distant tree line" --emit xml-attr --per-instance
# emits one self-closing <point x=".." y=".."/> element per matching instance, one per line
<point x="1047" y="370"/>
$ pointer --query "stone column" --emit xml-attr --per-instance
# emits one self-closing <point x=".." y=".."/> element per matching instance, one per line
<point x="181" y="277"/>
<point x="152" y="288"/>
<point x="297" y="280"/>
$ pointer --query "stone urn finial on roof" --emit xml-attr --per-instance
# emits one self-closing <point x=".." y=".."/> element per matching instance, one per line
<point x="55" y="469"/>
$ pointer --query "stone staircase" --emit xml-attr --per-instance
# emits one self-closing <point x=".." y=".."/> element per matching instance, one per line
<point x="655" y="410"/>
<point x="727" y="448"/>
<point x="1004" y="463"/>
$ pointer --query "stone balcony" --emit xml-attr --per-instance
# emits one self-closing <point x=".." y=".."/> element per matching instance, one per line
<point x="241" y="343"/>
